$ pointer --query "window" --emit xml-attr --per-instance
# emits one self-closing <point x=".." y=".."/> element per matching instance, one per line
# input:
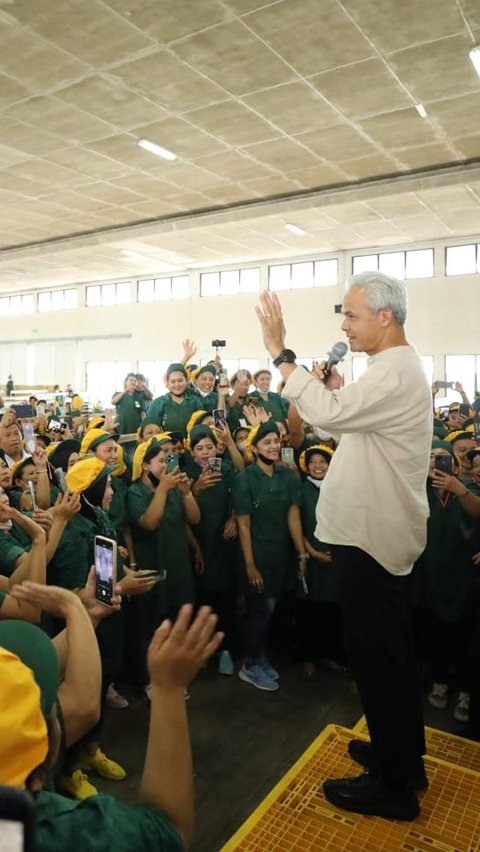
<point x="427" y="361"/>
<point x="230" y="282"/>
<point x="103" y="378"/>
<point x="14" y="305"/>
<point x="154" y="372"/>
<point x="57" y="300"/>
<point x="460" y="368"/>
<point x="163" y="289"/>
<point x="462" y="260"/>
<point x="417" y="263"/>
<point x="109" y="294"/>
<point x="303" y="275"/>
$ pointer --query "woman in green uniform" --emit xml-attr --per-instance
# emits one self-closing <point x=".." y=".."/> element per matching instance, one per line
<point x="131" y="405"/>
<point x="444" y="578"/>
<point x="318" y="613"/>
<point x="266" y="499"/>
<point x="160" y="506"/>
<point x="273" y="403"/>
<point x="203" y="387"/>
<point x="91" y="478"/>
<point x="173" y="410"/>
<point x="216" y="534"/>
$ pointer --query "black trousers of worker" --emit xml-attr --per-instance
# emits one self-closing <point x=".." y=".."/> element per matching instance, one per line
<point x="380" y="646"/>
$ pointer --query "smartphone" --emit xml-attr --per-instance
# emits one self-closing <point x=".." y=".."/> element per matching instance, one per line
<point x="172" y="461"/>
<point x="223" y="379"/>
<point x="105" y="568"/>
<point x="30" y="439"/>
<point x="445" y="385"/>
<point x="61" y="481"/>
<point x="16" y="820"/>
<point x="41" y="408"/>
<point x="215" y="465"/>
<point x="444" y="464"/>
<point x="32" y="495"/>
<point x="23" y="410"/>
<point x="219" y="419"/>
<point x="286" y="455"/>
<point x="54" y="426"/>
<point x="464" y="409"/>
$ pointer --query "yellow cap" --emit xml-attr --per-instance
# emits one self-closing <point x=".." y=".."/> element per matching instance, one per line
<point x="93" y="437"/>
<point x="320" y="448"/>
<point x="23" y="730"/>
<point x="85" y="472"/>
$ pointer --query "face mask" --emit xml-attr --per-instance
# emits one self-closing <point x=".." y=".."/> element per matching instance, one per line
<point x="153" y="479"/>
<point x="265" y="460"/>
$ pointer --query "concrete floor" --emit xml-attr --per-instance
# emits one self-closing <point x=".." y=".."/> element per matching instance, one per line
<point x="243" y="740"/>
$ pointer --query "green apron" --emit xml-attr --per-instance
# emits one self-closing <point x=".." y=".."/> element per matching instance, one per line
<point x="267" y="500"/>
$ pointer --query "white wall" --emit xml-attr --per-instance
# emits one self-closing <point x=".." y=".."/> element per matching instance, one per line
<point x="443" y="319"/>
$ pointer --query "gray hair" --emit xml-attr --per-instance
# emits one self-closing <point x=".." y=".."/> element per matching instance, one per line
<point x="383" y="291"/>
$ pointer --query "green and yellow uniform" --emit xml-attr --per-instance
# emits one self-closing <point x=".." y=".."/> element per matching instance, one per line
<point x="130" y="409"/>
<point x="267" y="500"/>
<point x="173" y="416"/>
<point x="274" y="405"/>
<point x="321" y="579"/>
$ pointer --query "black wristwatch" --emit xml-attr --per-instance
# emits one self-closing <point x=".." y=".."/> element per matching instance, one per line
<point x="287" y="356"/>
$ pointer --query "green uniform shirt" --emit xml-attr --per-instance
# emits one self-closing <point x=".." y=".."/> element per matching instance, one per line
<point x="173" y="416"/>
<point x="10" y="551"/>
<point x="129" y="412"/>
<point x="215" y="505"/>
<point x="267" y="500"/>
<point x="444" y="575"/>
<point x="275" y="405"/>
<point x="321" y="579"/>
<point x="101" y="824"/>
<point x="205" y="403"/>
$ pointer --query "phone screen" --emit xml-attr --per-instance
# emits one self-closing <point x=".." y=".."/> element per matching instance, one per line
<point x="31" y="490"/>
<point x="287" y="455"/>
<point x="61" y="481"/>
<point x="219" y="418"/>
<point x="105" y="568"/>
<point x="215" y="465"/>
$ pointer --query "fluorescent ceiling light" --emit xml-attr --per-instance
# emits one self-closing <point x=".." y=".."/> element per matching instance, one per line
<point x="421" y="110"/>
<point x="133" y="254"/>
<point x="475" y="57"/>
<point x="156" y="149"/>
<point x="295" y="230"/>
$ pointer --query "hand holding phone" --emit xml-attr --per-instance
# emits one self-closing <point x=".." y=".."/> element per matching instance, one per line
<point x="105" y="568"/>
<point x="219" y="418"/>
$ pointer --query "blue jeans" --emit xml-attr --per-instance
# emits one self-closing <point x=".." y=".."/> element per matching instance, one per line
<point x="260" y="609"/>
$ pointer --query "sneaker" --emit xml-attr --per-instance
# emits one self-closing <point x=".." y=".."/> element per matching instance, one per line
<point x="256" y="676"/>
<point x="103" y="766"/>
<point x="463" y="705"/>
<point x="77" y="785"/>
<point x="225" y="664"/>
<point x="115" y="700"/>
<point x="268" y="669"/>
<point x="361" y="752"/>
<point x="438" y="696"/>
<point x="367" y="795"/>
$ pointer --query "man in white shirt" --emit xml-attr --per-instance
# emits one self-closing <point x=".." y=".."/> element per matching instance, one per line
<point x="373" y="512"/>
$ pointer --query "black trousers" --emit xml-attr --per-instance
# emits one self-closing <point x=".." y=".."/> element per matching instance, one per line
<point x="380" y="646"/>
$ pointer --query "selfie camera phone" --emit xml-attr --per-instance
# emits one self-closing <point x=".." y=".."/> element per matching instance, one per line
<point x="30" y="439"/>
<point x="287" y="455"/>
<point x="61" y="481"/>
<point x="445" y="385"/>
<point x="105" y="568"/>
<point x="219" y="418"/>
<point x="444" y="464"/>
<point x="31" y="490"/>
<point x="223" y="379"/>
<point x="172" y="461"/>
<point x="464" y="409"/>
<point x="215" y="465"/>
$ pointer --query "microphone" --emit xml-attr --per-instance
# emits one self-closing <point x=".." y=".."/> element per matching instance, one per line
<point x="336" y="354"/>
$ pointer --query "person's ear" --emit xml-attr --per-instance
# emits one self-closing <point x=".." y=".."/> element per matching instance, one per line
<point x="385" y="317"/>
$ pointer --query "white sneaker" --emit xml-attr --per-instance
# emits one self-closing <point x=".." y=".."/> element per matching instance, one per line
<point x="438" y="696"/>
<point x="463" y="705"/>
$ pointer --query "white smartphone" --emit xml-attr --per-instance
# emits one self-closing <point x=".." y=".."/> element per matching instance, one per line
<point x="105" y="568"/>
<point x="31" y="490"/>
<point x="286" y="455"/>
<point x="61" y="481"/>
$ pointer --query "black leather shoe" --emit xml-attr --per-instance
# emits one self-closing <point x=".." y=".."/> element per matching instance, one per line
<point x="361" y="752"/>
<point x="367" y="795"/>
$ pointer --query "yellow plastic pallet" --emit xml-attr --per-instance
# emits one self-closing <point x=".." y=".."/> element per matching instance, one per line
<point x="442" y="745"/>
<point x="295" y="816"/>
